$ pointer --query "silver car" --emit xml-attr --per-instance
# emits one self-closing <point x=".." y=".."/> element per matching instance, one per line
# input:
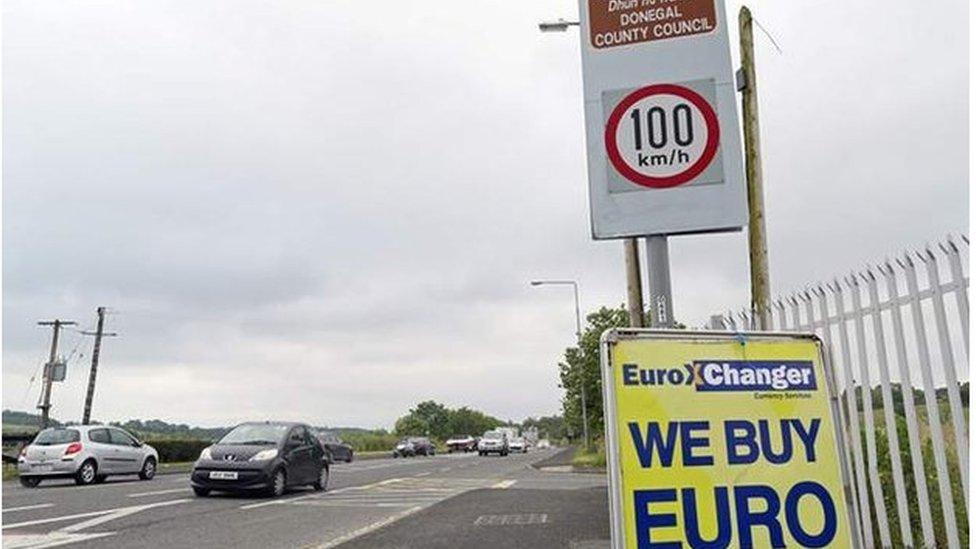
<point x="86" y="453"/>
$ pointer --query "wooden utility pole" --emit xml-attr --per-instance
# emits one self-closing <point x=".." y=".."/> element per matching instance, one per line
<point x="98" y="333"/>
<point x="635" y="301"/>
<point x="758" y="254"/>
<point x="45" y="405"/>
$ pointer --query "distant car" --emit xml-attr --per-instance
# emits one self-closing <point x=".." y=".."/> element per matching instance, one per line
<point x="414" y="446"/>
<point x="263" y="457"/>
<point x="493" y="442"/>
<point x="86" y="453"/>
<point x="461" y="443"/>
<point x="543" y="444"/>
<point x="335" y="448"/>
<point x="518" y="444"/>
<point x="404" y="448"/>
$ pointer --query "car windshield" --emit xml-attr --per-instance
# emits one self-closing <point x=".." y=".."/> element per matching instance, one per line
<point x="255" y="434"/>
<point x="404" y="441"/>
<point x="49" y="437"/>
<point x="493" y="435"/>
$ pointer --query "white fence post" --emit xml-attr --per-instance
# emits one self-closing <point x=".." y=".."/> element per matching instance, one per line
<point x="908" y="402"/>
<point x="867" y="405"/>
<point x="853" y="419"/>
<point x="891" y="426"/>
<point x="931" y="403"/>
<point x="949" y="368"/>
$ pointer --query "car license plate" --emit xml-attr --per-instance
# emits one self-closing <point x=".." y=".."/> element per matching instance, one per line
<point x="43" y="467"/>
<point x="223" y="475"/>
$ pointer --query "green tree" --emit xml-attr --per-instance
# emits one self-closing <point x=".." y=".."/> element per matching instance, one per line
<point x="437" y="421"/>
<point x="581" y="368"/>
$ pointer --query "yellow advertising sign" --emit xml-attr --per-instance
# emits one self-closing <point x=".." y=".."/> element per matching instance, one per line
<point x="717" y="440"/>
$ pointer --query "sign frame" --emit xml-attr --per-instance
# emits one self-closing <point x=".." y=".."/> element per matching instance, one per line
<point x="612" y="437"/>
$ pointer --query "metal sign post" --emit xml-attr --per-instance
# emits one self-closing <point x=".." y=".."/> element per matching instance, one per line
<point x="659" y="282"/>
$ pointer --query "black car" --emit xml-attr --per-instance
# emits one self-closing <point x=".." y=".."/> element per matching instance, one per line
<point x="263" y="457"/>
<point x="336" y="449"/>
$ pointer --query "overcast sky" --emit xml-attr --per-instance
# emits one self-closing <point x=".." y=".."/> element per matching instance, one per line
<point x="330" y="210"/>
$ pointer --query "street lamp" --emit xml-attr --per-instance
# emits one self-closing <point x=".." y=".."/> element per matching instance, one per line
<point x="560" y="25"/>
<point x="579" y="344"/>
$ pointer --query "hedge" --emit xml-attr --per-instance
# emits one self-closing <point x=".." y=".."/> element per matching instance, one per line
<point x="175" y="450"/>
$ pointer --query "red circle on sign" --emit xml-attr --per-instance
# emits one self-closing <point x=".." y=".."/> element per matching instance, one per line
<point x="711" y="144"/>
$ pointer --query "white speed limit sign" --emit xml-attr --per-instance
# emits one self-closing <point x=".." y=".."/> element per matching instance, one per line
<point x="662" y="135"/>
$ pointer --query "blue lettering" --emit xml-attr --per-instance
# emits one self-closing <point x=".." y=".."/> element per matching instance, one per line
<point x="733" y="441"/>
<point x="809" y="438"/>
<point x="645" y="448"/>
<point x="647" y="521"/>
<point x="805" y="538"/>
<point x="746" y="518"/>
<point x="693" y="531"/>
<point x="630" y="374"/>
<point x="765" y="438"/>
<point x="689" y="442"/>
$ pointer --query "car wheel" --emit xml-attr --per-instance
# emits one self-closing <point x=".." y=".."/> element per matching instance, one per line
<point x="29" y="482"/>
<point x="323" y="481"/>
<point x="350" y="458"/>
<point x="278" y="481"/>
<point x="86" y="473"/>
<point x="202" y="492"/>
<point x="148" y="469"/>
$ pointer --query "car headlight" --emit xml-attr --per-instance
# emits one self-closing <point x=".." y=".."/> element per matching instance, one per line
<point x="265" y="455"/>
<point x="205" y="454"/>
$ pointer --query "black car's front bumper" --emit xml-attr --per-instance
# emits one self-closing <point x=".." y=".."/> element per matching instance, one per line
<point x="256" y="476"/>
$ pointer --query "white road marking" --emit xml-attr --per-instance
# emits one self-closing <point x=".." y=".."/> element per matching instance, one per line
<point x="367" y="529"/>
<point x="134" y="508"/>
<point x="56" y="519"/>
<point x="51" y="539"/>
<point x="119" y="513"/>
<point x="422" y="474"/>
<point x="28" y="507"/>
<point x="503" y="484"/>
<point x="158" y="492"/>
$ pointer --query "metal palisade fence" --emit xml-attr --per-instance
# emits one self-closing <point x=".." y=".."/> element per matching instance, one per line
<point x="897" y="333"/>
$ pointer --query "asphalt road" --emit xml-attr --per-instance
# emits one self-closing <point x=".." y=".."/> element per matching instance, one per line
<point x="418" y="502"/>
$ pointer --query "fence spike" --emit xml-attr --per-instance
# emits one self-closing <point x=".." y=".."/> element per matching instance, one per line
<point x="952" y="245"/>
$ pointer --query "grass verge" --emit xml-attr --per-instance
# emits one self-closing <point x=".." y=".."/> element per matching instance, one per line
<point x="596" y="459"/>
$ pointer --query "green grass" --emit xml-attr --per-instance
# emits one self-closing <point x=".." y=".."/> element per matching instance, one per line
<point x="9" y="471"/>
<point x="177" y="467"/>
<point x="597" y="459"/>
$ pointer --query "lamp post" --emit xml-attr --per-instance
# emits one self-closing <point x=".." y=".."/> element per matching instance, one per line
<point x="559" y="25"/>
<point x="579" y="345"/>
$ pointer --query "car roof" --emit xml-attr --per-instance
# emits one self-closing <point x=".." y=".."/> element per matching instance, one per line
<point x="81" y="428"/>
<point x="281" y="423"/>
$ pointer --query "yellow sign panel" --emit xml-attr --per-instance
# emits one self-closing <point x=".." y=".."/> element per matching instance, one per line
<point x="720" y="441"/>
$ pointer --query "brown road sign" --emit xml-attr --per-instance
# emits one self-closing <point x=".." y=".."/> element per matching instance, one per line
<point x="623" y="22"/>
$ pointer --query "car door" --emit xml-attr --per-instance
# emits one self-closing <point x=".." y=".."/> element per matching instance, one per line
<point x="298" y="453"/>
<point x="317" y="453"/>
<point x="126" y="453"/>
<point x="100" y="444"/>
